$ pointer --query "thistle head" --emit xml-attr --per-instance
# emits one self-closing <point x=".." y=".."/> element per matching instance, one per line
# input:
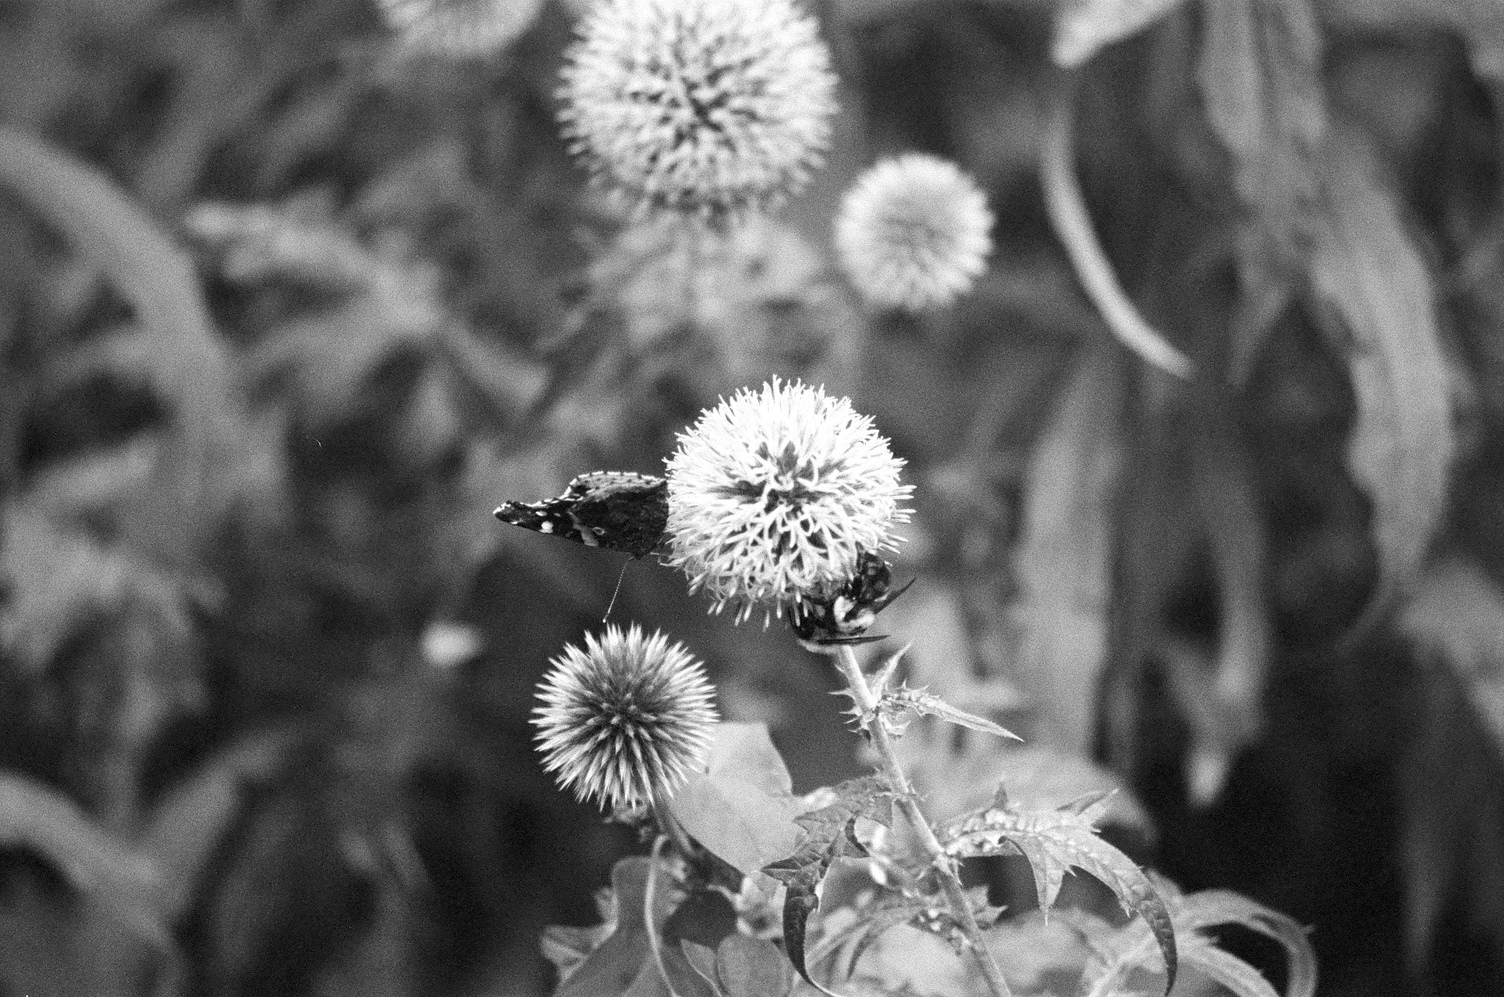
<point x="709" y="108"/>
<point x="625" y="719"/>
<point x="774" y="494"/>
<point x="913" y="232"/>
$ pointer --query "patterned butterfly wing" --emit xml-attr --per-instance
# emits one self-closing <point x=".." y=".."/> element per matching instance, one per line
<point x="612" y="510"/>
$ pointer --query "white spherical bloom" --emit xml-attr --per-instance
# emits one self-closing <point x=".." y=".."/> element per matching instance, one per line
<point x="459" y="27"/>
<point x="913" y="233"/>
<point x="774" y="495"/>
<point x="625" y="719"/>
<point x="703" y="107"/>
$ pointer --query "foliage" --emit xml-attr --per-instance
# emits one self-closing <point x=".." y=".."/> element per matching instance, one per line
<point x="1207" y="508"/>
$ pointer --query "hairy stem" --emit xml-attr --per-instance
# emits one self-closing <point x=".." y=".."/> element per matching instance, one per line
<point x="960" y="907"/>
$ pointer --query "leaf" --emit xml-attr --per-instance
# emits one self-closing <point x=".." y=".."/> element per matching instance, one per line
<point x="829" y="834"/>
<point x="1457" y="612"/>
<point x="1368" y="270"/>
<point x="905" y="700"/>
<point x="188" y="826"/>
<point x="742" y="809"/>
<point x="619" y="963"/>
<point x="751" y="967"/>
<point x="151" y="272"/>
<point x="1259" y="74"/>
<point x="1123" y="950"/>
<point x="1450" y="776"/>
<point x="1085" y="26"/>
<point x="37" y="818"/>
<point x="1054" y="842"/>
<point x="1063" y="560"/>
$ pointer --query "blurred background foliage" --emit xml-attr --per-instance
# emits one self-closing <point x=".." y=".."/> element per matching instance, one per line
<point x="287" y="309"/>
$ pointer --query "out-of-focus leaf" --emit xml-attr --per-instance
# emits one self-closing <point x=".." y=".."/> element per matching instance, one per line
<point x="1479" y="22"/>
<point x="1085" y="26"/>
<point x="1367" y="270"/>
<point x="189" y="824"/>
<point x="152" y="274"/>
<point x="1450" y="780"/>
<point x="38" y="818"/>
<point x="1054" y="842"/>
<point x="742" y="808"/>
<point x="1121" y="951"/>
<point x="1260" y="79"/>
<point x="1063" y="562"/>
<point x="1457" y="612"/>
<point x="751" y="967"/>
<point x="60" y="581"/>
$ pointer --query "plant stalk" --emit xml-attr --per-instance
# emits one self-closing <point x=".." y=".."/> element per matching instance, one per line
<point x="960" y="907"/>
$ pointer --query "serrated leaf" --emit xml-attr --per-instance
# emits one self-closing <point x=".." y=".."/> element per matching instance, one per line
<point x="742" y="808"/>
<point x="829" y="834"/>
<point x="1085" y="26"/>
<point x="1054" y="842"/>
<point x="929" y="705"/>
<point x="1367" y="269"/>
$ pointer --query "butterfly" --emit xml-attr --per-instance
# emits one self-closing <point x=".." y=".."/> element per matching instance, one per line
<point x="612" y="510"/>
<point x="843" y="618"/>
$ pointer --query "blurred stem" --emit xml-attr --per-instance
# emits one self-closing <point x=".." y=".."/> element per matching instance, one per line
<point x="960" y="907"/>
<point x="1066" y="206"/>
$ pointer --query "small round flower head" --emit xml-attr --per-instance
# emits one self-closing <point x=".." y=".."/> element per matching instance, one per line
<point x="913" y="233"/>
<point x="459" y="28"/>
<point x="625" y="719"/>
<point x="774" y="494"/>
<point x="707" y="108"/>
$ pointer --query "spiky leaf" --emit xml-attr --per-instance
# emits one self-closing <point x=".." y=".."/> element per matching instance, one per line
<point x="1054" y="842"/>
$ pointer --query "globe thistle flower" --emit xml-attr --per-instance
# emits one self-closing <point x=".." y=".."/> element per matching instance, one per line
<point x="774" y="495"/>
<point x="913" y="233"/>
<point x="707" y="108"/>
<point x="459" y="28"/>
<point x="625" y="719"/>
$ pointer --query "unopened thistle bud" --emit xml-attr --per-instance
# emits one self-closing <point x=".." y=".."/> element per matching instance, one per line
<point x="774" y="495"/>
<point x="625" y="719"/>
<point x="913" y="233"/>
<point x="708" y="108"/>
<point x="459" y="28"/>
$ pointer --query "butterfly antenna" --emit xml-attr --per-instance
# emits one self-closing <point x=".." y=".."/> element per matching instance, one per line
<point x="615" y="592"/>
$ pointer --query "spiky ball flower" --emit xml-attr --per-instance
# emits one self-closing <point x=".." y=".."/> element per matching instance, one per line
<point x="625" y="719"/>
<point x="774" y="494"/>
<point x="913" y="232"/>
<point x="708" y="108"/>
<point x="458" y="28"/>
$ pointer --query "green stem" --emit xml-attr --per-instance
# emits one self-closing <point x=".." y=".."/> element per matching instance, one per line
<point x="960" y="907"/>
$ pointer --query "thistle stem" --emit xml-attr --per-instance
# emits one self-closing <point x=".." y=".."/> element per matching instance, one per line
<point x="960" y="907"/>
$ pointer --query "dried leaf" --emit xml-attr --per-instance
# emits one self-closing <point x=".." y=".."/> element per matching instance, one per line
<point x="1367" y="269"/>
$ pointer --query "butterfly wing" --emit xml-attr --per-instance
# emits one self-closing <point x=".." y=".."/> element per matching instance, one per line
<point x="613" y="510"/>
